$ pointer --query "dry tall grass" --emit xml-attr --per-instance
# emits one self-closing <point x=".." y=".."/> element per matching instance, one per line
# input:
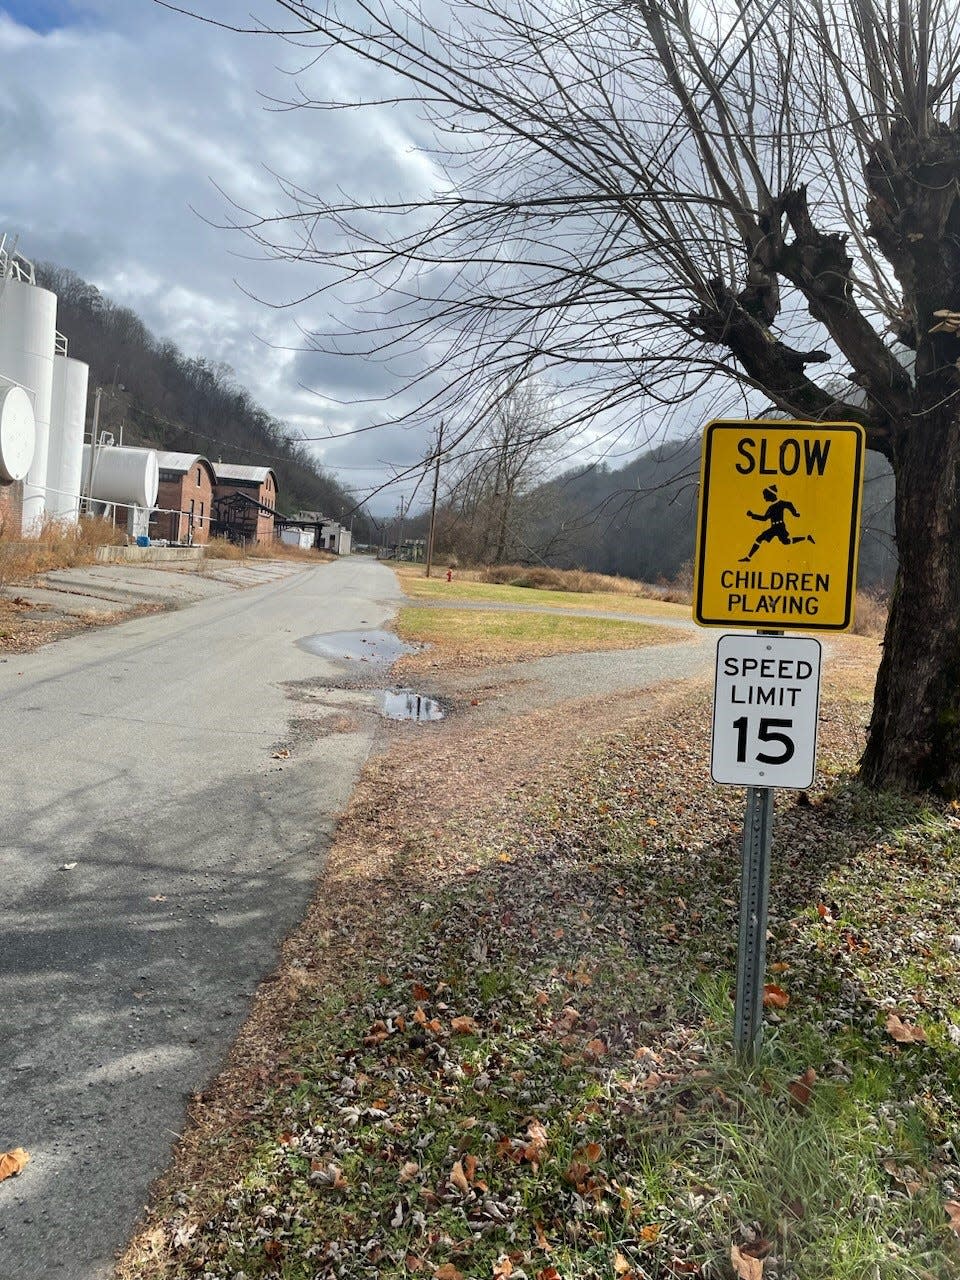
<point x="223" y="549"/>
<point x="870" y="617"/>
<point x="544" y="579"/>
<point x="60" y="545"/>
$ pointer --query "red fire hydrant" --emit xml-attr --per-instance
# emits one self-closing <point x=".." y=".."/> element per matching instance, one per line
<point x="449" y="575"/>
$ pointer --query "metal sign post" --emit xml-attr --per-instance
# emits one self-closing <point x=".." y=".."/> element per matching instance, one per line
<point x="752" y="945"/>
<point x="778" y="531"/>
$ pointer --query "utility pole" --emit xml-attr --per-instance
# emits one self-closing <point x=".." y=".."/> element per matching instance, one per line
<point x="433" y="503"/>
<point x="93" y="449"/>
<point x="400" y="531"/>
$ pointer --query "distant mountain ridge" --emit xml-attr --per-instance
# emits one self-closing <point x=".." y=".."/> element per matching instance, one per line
<point x="640" y="520"/>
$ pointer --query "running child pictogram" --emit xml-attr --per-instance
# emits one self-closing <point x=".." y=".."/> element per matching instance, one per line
<point x="776" y="514"/>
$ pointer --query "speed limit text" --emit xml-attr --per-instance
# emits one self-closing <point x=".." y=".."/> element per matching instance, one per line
<point x="766" y="682"/>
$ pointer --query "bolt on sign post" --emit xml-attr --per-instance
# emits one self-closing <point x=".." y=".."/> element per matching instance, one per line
<point x="777" y="543"/>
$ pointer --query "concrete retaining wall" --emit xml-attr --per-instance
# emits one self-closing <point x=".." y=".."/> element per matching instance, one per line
<point x="148" y="555"/>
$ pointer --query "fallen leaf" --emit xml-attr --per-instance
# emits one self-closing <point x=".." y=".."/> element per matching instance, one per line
<point x="595" y="1049"/>
<point x="904" y="1032"/>
<point x="11" y="1162"/>
<point x="282" y="754"/>
<point x="801" y="1088"/>
<point x="536" y="1148"/>
<point x="953" y="1213"/>
<point x="459" y="1178"/>
<point x="463" y="1026"/>
<point x="447" y="1272"/>
<point x="593" y="1151"/>
<point x="502" y="1269"/>
<point x="420" y="992"/>
<point x="650" y="1233"/>
<point x="549" y="1273"/>
<point x="746" y="1265"/>
<point x="409" y="1171"/>
<point x="470" y="1167"/>
<point x="774" y="997"/>
<point x="621" y="1267"/>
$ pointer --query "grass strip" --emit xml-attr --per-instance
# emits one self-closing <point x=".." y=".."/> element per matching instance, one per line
<point x="437" y="588"/>
<point x="476" y="637"/>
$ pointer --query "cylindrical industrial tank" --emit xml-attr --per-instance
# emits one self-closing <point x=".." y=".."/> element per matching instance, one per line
<point x="28" y="328"/>
<point x="65" y="455"/>
<point x="130" y="476"/>
<point x="17" y="433"/>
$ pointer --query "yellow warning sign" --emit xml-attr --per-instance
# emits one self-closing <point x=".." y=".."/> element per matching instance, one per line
<point x="779" y="525"/>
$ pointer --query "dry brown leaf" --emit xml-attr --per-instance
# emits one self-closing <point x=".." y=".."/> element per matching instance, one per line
<point x="463" y="1026"/>
<point x="536" y="1148"/>
<point x="12" y="1162"/>
<point x="801" y="1089"/>
<point x="650" y="1233"/>
<point x="459" y="1178"/>
<point x="420" y="992"/>
<point x="593" y="1151"/>
<point x="502" y="1269"/>
<point x="409" y="1171"/>
<point x="595" y="1049"/>
<point x="447" y="1272"/>
<point x="904" y="1032"/>
<point x="746" y="1265"/>
<point x="953" y="1213"/>
<point x="470" y="1167"/>
<point x="774" y="997"/>
<point x="283" y="754"/>
<point x="621" y="1266"/>
<point x="549" y="1273"/>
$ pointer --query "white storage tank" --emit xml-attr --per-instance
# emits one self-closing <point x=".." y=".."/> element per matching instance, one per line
<point x="28" y="328"/>
<point x="17" y="432"/>
<point x="127" y="476"/>
<point x="68" y="415"/>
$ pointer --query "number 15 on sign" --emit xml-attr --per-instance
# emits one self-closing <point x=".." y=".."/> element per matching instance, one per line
<point x="765" y="711"/>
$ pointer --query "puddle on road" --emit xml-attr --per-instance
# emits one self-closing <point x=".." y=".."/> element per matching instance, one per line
<point x="357" y="646"/>
<point x="404" y="704"/>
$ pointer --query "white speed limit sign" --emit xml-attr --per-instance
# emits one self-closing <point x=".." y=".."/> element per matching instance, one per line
<point x="765" y="709"/>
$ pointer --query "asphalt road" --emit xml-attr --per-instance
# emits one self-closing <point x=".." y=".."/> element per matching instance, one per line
<point x="153" y="855"/>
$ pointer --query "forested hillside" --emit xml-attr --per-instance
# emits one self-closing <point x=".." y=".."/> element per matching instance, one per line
<point x="640" y="520"/>
<point x="171" y="401"/>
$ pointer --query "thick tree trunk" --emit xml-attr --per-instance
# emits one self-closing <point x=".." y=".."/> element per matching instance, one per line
<point x="914" y="737"/>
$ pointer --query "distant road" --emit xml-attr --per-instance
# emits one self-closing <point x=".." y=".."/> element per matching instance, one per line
<point x="153" y="855"/>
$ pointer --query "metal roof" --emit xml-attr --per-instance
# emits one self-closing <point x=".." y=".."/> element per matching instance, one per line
<point x="248" y="475"/>
<point x="179" y="461"/>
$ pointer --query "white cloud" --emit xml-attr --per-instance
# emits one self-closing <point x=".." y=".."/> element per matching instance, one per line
<point x="119" y="125"/>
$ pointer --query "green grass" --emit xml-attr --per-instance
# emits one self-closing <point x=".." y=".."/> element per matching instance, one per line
<point x="437" y="588"/>
<point x="494" y="634"/>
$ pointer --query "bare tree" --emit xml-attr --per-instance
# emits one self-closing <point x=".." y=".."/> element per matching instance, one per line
<point x="502" y="461"/>
<point x="653" y="198"/>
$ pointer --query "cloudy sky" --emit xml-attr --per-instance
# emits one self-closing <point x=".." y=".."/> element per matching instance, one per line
<point x="123" y="122"/>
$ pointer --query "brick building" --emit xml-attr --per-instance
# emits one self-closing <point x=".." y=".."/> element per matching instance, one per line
<point x="11" y="508"/>
<point x="185" y="498"/>
<point x="246" y="520"/>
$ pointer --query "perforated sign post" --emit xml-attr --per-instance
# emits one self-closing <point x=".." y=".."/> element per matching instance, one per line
<point x="777" y="543"/>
